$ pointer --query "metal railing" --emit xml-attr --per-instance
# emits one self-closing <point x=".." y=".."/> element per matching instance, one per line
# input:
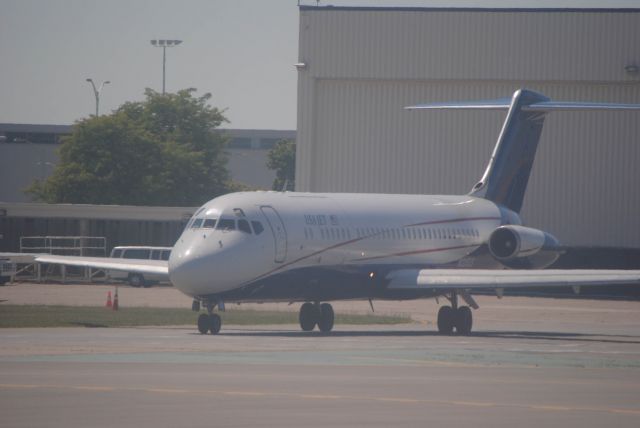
<point x="93" y="246"/>
<point x="65" y="245"/>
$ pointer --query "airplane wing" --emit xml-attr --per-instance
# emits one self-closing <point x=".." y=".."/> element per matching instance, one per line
<point x="453" y="279"/>
<point x="129" y="265"/>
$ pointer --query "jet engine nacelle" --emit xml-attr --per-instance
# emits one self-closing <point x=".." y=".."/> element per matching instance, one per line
<point x="523" y="247"/>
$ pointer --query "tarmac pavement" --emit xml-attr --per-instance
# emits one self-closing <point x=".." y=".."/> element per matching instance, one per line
<point x="529" y="363"/>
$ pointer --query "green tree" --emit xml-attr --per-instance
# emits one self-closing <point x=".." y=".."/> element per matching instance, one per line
<point x="282" y="159"/>
<point x="161" y="151"/>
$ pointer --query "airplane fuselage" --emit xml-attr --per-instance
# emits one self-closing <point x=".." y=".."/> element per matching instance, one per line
<point x="239" y="240"/>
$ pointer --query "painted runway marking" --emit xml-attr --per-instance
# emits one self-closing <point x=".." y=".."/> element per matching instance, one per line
<point x="419" y="362"/>
<point x="94" y="388"/>
<point x="304" y="396"/>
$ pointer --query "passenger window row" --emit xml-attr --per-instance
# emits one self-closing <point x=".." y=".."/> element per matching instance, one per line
<point x="411" y="233"/>
<point x="414" y="233"/>
<point x="334" y="233"/>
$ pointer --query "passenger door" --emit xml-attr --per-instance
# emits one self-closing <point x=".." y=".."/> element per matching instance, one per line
<point x="279" y="232"/>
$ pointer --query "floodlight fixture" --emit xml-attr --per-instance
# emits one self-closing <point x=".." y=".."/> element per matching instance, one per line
<point x="164" y="44"/>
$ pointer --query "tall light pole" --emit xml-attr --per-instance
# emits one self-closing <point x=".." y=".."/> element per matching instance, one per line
<point x="97" y="92"/>
<point x="164" y="44"/>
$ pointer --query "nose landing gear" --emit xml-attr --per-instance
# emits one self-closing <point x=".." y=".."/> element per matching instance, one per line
<point x="209" y="322"/>
<point x="312" y="314"/>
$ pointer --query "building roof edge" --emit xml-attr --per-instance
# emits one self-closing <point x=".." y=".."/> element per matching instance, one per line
<point x="464" y="9"/>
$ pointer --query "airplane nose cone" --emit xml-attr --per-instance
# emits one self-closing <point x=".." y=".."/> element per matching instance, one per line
<point x="178" y="273"/>
<point x="198" y="270"/>
<point x="214" y="264"/>
<point x="187" y="272"/>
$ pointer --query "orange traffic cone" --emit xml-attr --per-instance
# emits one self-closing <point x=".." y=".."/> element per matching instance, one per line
<point x="109" y="304"/>
<point x="115" y="300"/>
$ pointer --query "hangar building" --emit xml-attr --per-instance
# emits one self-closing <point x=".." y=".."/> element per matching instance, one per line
<point x="358" y="68"/>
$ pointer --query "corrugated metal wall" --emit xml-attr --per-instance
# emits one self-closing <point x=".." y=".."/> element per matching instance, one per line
<point x="363" y="67"/>
<point x="462" y="45"/>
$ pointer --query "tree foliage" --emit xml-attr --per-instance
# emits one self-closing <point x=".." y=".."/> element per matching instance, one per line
<point x="282" y="159"/>
<point x="161" y="151"/>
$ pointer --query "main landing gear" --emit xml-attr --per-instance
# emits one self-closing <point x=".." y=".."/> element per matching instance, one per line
<point x="320" y="314"/>
<point x="208" y="322"/>
<point x="450" y="317"/>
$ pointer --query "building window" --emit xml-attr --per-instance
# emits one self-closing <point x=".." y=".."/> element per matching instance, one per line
<point x="268" y="143"/>
<point x="240" y="143"/>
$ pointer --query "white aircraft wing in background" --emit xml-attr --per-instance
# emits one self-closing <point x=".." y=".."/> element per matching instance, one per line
<point x="159" y="267"/>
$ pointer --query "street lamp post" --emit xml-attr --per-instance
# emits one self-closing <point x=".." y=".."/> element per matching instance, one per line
<point x="164" y="44"/>
<point x="97" y="92"/>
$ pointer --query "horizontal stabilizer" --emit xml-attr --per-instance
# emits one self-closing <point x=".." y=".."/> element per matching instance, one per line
<point x="451" y="279"/>
<point x="497" y="104"/>
<point x="542" y="106"/>
<point x="575" y="106"/>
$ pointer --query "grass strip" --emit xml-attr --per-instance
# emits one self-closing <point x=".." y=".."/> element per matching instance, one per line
<point x="94" y="316"/>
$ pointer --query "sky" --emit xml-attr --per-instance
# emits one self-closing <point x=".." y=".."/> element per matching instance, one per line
<point x="240" y="51"/>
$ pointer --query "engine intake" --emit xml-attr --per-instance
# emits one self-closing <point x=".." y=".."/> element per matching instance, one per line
<point x="520" y="246"/>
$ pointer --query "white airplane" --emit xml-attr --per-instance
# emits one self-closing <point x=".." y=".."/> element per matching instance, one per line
<point x="319" y="247"/>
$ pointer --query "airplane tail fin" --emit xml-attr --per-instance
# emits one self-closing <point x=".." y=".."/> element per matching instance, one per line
<point x="507" y="174"/>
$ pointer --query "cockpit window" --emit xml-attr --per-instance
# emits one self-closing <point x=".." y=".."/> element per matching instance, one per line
<point x="257" y="227"/>
<point x="193" y="218"/>
<point x="197" y="223"/>
<point x="243" y="226"/>
<point x="209" y="223"/>
<point x="226" y="224"/>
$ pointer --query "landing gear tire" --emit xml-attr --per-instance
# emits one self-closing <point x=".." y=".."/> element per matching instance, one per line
<point x="325" y="323"/>
<point x="464" y="320"/>
<point x="209" y="323"/>
<point x="446" y="318"/>
<point x="308" y="316"/>
<point x="203" y="323"/>
<point x="136" y="280"/>
<point x="215" y="322"/>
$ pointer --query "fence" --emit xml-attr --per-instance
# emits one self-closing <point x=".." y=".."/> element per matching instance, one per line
<point x="82" y="246"/>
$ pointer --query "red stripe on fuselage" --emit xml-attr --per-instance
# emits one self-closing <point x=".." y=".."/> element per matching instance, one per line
<point x="409" y="253"/>
<point x="351" y="241"/>
<point x="454" y="220"/>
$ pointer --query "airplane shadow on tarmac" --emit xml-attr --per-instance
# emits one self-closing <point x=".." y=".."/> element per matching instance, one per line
<point x="506" y="335"/>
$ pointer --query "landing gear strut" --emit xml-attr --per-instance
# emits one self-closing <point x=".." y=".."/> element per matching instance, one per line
<point x="450" y="317"/>
<point x="312" y="314"/>
<point x="209" y="322"/>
